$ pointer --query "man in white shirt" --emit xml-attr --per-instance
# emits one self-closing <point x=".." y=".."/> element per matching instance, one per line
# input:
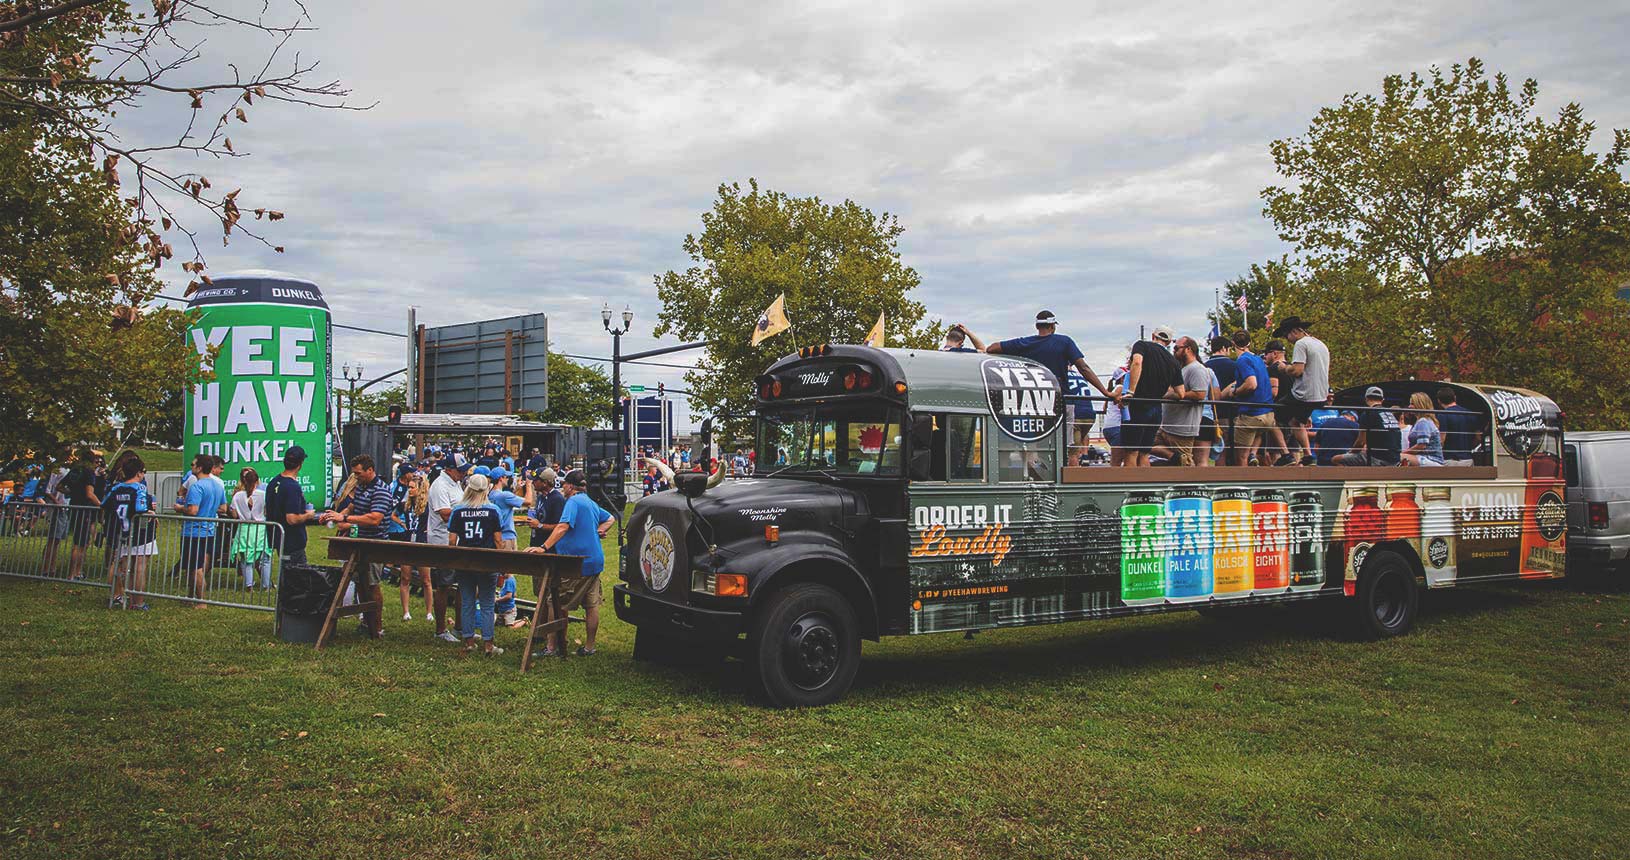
<point x="445" y="493"/>
<point x="1309" y="369"/>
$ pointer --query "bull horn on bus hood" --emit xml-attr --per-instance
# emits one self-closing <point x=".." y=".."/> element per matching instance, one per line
<point x="717" y="477"/>
<point x="667" y="472"/>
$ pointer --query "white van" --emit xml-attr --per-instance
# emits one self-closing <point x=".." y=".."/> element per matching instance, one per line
<point x="1598" y="472"/>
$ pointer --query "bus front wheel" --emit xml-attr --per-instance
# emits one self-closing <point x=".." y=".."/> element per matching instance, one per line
<point x="1388" y="596"/>
<point x="804" y="646"/>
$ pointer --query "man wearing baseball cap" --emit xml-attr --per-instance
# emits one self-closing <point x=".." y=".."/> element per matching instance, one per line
<point x="286" y="504"/>
<point x="582" y="524"/>
<point x="445" y="493"/>
<point x="1378" y="438"/>
<point x="1057" y="352"/>
<point x="1152" y="373"/>
<point x="1309" y="371"/>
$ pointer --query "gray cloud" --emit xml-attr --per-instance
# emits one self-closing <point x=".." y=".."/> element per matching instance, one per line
<point x="1096" y="159"/>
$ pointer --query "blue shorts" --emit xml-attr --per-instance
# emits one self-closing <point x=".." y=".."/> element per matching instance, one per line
<point x="1112" y="435"/>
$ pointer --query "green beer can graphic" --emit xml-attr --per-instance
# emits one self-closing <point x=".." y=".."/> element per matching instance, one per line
<point x="1143" y="549"/>
<point x="270" y="334"/>
<point x="1306" y="541"/>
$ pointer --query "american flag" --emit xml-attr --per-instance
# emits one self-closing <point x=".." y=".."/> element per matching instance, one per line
<point x="1240" y="303"/>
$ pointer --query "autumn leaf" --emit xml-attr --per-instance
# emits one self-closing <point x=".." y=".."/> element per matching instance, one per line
<point x="113" y="280"/>
<point x="165" y="221"/>
<point x="229" y="144"/>
<point x="274" y="216"/>
<point x="259" y="213"/>
<point x="56" y="79"/>
<point x="241" y="116"/>
<point x="234" y="194"/>
<point x="278" y="248"/>
<point x="207" y="280"/>
<point x="248" y="98"/>
<point x="203" y="181"/>
<point x="260" y="91"/>
<point x="192" y="287"/>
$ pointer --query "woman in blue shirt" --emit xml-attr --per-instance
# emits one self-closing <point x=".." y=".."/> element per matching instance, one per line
<point x="474" y="523"/>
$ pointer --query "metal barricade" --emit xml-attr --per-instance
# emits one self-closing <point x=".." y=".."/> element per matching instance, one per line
<point x="193" y="559"/>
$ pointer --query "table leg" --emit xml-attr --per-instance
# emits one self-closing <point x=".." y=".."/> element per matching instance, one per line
<point x="334" y="605"/>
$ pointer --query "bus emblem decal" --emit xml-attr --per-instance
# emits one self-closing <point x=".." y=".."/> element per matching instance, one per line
<point x="1023" y="398"/>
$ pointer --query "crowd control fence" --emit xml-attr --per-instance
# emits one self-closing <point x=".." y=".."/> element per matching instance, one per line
<point x="169" y="556"/>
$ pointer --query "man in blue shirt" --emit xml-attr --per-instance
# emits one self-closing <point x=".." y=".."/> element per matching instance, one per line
<point x="1252" y="390"/>
<point x="205" y="500"/>
<point x="1057" y="352"/>
<point x="1462" y="429"/>
<point x="1336" y="436"/>
<point x="582" y="524"/>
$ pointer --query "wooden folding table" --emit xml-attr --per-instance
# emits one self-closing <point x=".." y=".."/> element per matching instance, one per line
<point x="544" y="568"/>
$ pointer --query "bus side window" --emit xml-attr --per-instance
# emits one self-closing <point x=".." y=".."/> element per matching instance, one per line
<point x="1019" y="462"/>
<point x="965" y="447"/>
<point x="927" y="447"/>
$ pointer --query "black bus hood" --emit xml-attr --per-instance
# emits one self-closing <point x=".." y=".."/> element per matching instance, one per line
<point x="730" y="521"/>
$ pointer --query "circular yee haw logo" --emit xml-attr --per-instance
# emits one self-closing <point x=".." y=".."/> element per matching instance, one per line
<point x="657" y="557"/>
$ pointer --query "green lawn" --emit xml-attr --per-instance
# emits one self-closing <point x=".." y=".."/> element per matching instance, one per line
<point x="1497" y="729"/>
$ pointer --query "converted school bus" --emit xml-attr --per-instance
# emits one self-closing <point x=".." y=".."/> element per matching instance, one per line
<point x="904" y="491"/>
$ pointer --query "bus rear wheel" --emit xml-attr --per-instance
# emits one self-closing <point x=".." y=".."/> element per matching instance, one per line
<point x="1388" y="596"/>
<point x="804" y="646"/>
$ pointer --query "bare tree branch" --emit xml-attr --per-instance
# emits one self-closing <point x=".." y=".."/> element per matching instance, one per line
<point x="45" y="14"/>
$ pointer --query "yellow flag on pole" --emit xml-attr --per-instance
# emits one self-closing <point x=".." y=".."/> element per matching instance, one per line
<point x="773" y="321"/>
<point x="875" y="336"/>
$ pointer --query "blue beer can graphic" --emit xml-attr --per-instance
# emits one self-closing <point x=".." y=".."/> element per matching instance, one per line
<point x="1189" y="542"/>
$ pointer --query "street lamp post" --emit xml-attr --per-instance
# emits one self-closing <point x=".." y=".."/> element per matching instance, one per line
<point x="352" y="375"/>
<point x="616" y="375"/>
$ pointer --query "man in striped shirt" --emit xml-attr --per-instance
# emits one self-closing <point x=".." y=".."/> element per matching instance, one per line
<point x="368" y="507"/>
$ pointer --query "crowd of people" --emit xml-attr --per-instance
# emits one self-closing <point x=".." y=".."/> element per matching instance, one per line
<point x="447" y="497"/>
<point x="1169" y="404"/>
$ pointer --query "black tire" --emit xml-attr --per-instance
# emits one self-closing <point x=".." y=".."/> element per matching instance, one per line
<point x="1388" y="596"/>
<point x="804" y="646"/>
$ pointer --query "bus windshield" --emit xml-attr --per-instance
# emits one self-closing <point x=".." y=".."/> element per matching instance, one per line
<point x="854" y="438"/>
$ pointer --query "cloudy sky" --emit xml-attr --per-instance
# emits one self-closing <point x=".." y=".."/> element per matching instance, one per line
<point x="1102" y="160"/>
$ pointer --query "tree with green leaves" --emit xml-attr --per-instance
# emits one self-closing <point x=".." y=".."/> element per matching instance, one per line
<point x="837" y="264"/>
<point x="90" y="204"/>
<point x="579" y="394"/>
<point x="1481" y="240"/>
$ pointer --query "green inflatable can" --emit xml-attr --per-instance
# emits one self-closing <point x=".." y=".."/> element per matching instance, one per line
<point x="271" y="334"/>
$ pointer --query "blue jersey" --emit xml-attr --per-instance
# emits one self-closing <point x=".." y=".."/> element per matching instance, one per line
<point x="398" y="510"/>
<point x="474" y="526"/>
<point x="124" y="504"/>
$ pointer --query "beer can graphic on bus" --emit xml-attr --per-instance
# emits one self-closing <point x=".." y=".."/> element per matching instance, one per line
<point x="1188" y="544"/>
<point x="1270" y="552"/>
<point x="1306" y="541"/>
<point x="1232" y="570"/>
<point x="1143" y="549"/>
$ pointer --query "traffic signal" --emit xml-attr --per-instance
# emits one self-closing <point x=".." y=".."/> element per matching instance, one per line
<point x="661" y="389"/>
<point x="395" y="414"/>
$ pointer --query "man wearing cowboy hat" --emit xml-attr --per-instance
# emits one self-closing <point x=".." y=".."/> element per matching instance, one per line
<point x="1309" y="370"/>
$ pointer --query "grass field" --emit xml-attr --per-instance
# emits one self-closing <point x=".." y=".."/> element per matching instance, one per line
<point x="1496" y="730"/>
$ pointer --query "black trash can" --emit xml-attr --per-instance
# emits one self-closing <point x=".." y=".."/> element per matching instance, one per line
<point x="303" y="594"/>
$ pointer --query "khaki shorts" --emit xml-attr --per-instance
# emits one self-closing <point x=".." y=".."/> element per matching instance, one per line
<point x="1182" y="446"/>
<point x="1250" y="429"/>
<point x="506" y="543"/>
<point x="564" y="587"/>
<point x="367" y="575"/>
